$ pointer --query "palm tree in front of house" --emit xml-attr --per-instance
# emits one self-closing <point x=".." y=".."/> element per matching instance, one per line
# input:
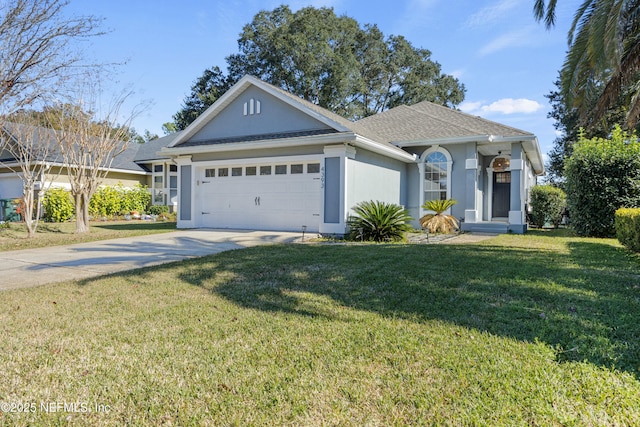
<point x="438" y="221"/>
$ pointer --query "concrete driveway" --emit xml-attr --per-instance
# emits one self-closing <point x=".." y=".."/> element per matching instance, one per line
<point x="34" y="267"/>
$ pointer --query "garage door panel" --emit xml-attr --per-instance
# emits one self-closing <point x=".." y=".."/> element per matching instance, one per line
<point x="269" y="202"/>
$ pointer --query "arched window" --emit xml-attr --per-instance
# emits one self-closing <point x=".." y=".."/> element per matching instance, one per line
<point x="437" y="174"/>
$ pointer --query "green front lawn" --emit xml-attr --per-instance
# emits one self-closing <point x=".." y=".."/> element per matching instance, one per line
<point x="518" y="330"/>
<point x="13" y="236"/>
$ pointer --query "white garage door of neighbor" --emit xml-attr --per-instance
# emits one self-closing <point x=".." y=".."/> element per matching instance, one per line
<point x="260" y="197"/>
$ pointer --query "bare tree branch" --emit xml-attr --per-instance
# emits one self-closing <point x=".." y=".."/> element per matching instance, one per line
<point x="38" y="49"/>
<point x="31" y="147"/>
<point x="92" y="134"/>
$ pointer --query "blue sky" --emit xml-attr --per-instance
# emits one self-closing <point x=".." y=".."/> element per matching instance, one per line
<point x="506" y="60"/>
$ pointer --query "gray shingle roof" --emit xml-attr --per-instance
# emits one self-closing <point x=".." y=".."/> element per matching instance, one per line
<point x="426" y="120"/>
<point x="422" y="121"/>
<point x="149" y="150"/>
<point x="127" y="160"/>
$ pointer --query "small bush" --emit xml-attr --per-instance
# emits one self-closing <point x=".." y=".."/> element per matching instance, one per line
<point x="106" y="201"/>
<point x="547" y="203"/>
<point x="628" y="227"/>
<point x="378" y="221"/>
<point x="158" y="210"/>
<point x="58" y="205"/>
<point x="136" y="198"/>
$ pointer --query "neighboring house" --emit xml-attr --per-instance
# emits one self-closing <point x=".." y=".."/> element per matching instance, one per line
<point x="138" y="164"/>
<point x="262" y="158"/>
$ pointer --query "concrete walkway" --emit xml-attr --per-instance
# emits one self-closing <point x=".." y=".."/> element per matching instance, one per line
<point x="35" y="267"/>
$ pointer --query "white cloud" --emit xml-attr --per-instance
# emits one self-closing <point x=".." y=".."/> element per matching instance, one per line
<point x="512" y="106"/>
<point x="457" y="73"/>
<point x="470" y="107"/>
<point x="519" y="38"/>
<point x="491" y="14"/>
<point x="502" y="106"/>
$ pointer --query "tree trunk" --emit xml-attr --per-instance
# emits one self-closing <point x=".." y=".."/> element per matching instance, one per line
<point x="82" y="213"/>
<point x="27" y="213"/>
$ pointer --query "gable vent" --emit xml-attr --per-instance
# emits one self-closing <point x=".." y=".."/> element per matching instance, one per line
<point x="251" y="107"/>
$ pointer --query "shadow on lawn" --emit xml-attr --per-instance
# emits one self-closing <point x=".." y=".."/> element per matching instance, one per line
<point x="584" y="302"/>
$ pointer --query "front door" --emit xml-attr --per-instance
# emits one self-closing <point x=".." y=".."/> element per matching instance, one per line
<point x="501" y="194"/>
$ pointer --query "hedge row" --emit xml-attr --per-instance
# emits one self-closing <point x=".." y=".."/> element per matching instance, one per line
<point x="119" y="200"/>
<point x="628" y="227"/>
<point x="108" y="201"/>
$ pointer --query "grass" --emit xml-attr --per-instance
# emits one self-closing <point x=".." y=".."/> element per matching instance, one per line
<point x="14" y="236"/>
<point x="541" y="329"/>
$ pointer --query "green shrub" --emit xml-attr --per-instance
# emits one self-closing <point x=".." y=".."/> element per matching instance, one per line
<point x="628" y="227"/>
<point x="106" y="201"/>
<point x="547" y="203"/>
<point x="602" y="175"/>
<point x="58" y="205"/>
<point x="158" y="210"/>
<point x="378" y="221"/>
<point x="116" y="200"/>
<point x="136" y="198"/>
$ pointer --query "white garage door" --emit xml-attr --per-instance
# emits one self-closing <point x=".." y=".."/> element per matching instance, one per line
<point x="260" y="197"/>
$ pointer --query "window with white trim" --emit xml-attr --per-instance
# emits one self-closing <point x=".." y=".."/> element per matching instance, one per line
<point x="437" y="175"/>
<point x="158" y="190"/>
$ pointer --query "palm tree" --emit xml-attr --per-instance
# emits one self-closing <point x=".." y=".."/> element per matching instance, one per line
<point x="603" y="60"/>
<point x="378" y="221"/>
<point x="438" y="221"/>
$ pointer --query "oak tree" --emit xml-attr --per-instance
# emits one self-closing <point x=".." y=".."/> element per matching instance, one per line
<point x="329" y="60"/>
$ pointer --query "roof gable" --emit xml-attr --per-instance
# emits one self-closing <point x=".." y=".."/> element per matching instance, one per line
<point x="252" y="108"/>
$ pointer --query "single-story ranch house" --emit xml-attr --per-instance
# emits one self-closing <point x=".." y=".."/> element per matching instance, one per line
<point x="262" y="158"/>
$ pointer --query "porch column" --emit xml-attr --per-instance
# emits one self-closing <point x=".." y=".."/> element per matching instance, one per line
<point x="471" y="166"/>
<point x="421" y="211"/>
<point x="186" y="177"/>
<point x="334" y="183"/>
<point x="517" y="223"/>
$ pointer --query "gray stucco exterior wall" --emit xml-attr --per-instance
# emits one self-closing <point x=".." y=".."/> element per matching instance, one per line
<point x="275" y="116"/>
<point x="458" y="178"/>
<point x="250" y="154"/>
<point x="185" y="193"/>
<point x="371" y="176"/>
<point x="332" y="190"/>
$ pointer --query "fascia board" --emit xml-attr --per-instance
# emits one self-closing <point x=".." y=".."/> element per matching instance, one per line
<point x="262" y="144"/>
<point x="64" y="165"/>
<point x="385" y="150"/>
<point x="444" y="141"/>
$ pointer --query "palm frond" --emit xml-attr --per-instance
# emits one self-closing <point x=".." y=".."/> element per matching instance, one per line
<point x="438" y="223"/>
<point x="603" y="60"/>
<point x="545" y="12"/>
<point x="378" y="221"/>
<point x="438" y="206"/>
